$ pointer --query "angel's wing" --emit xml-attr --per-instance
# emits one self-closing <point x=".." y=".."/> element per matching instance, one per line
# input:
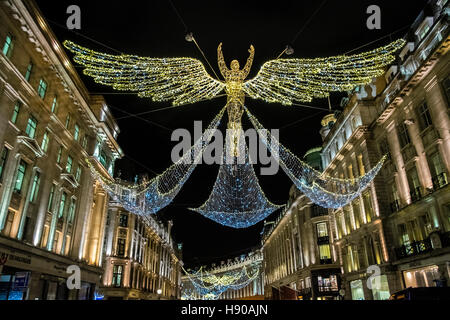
<point x="289" y="80"/>
<point x="183" y="80"/>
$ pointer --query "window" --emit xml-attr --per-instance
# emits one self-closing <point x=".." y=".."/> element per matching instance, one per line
<point x="67" y="125"/>
<point x="325" y="253"/>
<point x="120" y="247"/>
<point x="20" y="176"/>
<point x="403" y="233"/>
<point x="322" y="230"/>
<point x="103" y="158"/>
<point x="45" y="141"/>
<point x="16" y="112"/>
<point x="8" y="46"/>
<point x="76" y="133"/>
<point x="427" y="225"/>
<point x="35" y="187"/>
<point x="380" y="288"/>
<point x="357" y="290"/>
<point x="423" y="277"/>
<point x="29" y="71"/>
<point x="85" y="140"/>
<point x="42" y="88"/>
<point x="117" y="275"/>
<point x="78" y="173"/>
<point x="50" y="199"/>
<point x="62" y="205"/>
<point x="3" y="158"/>
<point x="123" y="220"/>
<point x="58" y="158"/>
<point x="414" y="184"/>
<point x="424" y="117"/>
<point x="72" y="208"/>
<point x="403" y="135"/>
<point x="69" y="164"/>
<point x="327" y="284"/>
<point x="31" y="127"/>
<point x="55" y="104"/>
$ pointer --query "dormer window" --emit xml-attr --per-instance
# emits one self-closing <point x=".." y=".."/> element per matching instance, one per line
<point x="55" y="104"/>
<point x="42" y="88"/>
<point x="424" y="28"/>
<point x="8" y="46"/>
<point x="31" y="127"/>
<point x="29" y="71"/>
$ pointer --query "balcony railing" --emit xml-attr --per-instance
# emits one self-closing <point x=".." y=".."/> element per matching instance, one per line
<point x="440" y="180"/>
<point x="395" y="206"/>
<point x="414" y="248"/>
<point x="416" y="194"/>
<point x="323" y="240"/>
<point x="326" y="261"/>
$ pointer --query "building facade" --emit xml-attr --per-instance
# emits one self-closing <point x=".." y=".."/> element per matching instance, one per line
<point x="252" y="291"/>
<point x="395" y="235"/>
<point x="299" y="262"/>
<point x="140" y="258"/>
<point x="52" y="210"/>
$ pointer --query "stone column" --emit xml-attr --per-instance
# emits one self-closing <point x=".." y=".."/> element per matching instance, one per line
<point x="438" y="106"/>
<point x="42" y="210"/>
<point x="83" y="216"/>
<point x="422" y="163"/>
<point x="8" y="186"/>
<point x="95" y="227"/>
<point x="397" y="158"/>
<point x="55" y="212"/>
<point x="27" y="203"/>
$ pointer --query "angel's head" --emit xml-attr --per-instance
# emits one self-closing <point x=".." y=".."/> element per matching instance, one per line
<point x="234" y="65"/>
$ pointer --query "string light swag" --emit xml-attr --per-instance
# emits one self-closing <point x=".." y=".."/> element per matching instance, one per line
<point x="209" y="286"/>
<point x="324" y="190"/>
<point x="151" y="196"/>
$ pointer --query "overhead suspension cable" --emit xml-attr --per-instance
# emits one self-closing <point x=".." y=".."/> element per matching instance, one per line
<point x="190" y="37"/>
<point x="288" y="49"/>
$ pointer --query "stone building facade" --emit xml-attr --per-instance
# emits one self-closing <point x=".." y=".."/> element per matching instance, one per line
<point x="141" y="259"/>
<point x="396" y="234"/>
<point x="52" y="210"/>
<point x="299" y="262"/>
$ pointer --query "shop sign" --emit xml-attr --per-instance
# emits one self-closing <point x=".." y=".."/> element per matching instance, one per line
<point x="4" y="257"/>
<point x="21" y="280"/>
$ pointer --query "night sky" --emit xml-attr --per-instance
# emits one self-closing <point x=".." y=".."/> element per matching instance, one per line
<point x="153" y="29"/>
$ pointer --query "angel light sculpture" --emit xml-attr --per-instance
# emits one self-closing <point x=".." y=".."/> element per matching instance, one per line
<point x="285" y="81"/>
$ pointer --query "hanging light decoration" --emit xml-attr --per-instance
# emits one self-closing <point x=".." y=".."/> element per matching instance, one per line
<point x="323" y="190"/>
<point x="151" y="196"/>
<point x="210" y="286"/>
<point x="285" y="81"/>
<point x="237" y="200"/>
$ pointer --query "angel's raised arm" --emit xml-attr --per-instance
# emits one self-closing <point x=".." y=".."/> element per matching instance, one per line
<point x="221" y="61"/>
<point x="248" y="65"/>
